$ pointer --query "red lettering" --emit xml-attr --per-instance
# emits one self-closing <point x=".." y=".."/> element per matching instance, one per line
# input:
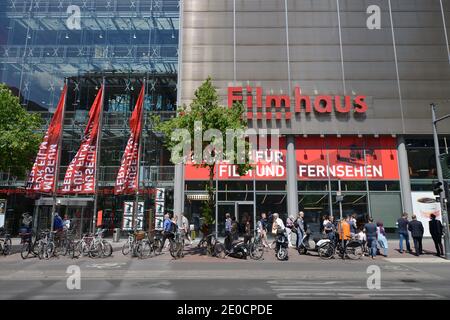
<point x="232" y="97"/>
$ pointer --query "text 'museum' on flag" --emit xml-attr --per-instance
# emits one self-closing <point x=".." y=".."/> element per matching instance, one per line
<point x="127" y="178"/>
<point x="42" y="176"/>
<point x="80" y="175"/>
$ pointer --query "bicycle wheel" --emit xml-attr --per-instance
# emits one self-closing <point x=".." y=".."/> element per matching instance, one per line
<point x="219" y="250"/>
<point x="157" y="245"/>
<point x="26" y="248"/>
<point x="126" y="248"/>
<point x="106" y="249"/>
<point x="95" y="249"/>
<point x="354" y="251"/>
<point x="173" y="249"/>
<point x="326" y="251"/>
<point x="77" y="249"/>
<point x="7" y="247"/>
<point x="49" y="250"/>
<point x="282" y="254"/>
<point x="145" y="249"/>
<point x="256" y="251"/>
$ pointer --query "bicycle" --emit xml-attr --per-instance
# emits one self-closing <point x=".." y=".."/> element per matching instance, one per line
<point x="353" y="249"/>
<point x="212" y="246"/>
<point x="93" y="246"/>
<point x="155" y="237"/>
<point x="5" y="243"/>
<point x="256" y="247"/>
<point x="135" y="244"/>
<point x="45" y="246"/>
<point x="29" y="247"/>
<point x="176" y="245"/>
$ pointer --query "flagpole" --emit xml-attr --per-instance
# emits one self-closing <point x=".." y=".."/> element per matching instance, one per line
<point x="58" y="159"/>
<point x="138" y="167"/>
<point x="97" y="156"/>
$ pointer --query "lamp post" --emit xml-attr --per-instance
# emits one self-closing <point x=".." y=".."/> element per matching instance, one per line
<point x="440" y="176"/>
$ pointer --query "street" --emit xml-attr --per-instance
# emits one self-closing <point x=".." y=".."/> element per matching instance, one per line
<point x="200" y="277"/>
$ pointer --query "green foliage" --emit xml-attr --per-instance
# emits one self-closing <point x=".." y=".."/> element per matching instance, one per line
<point x="19" y="139"/>
<point x="206" y="108"/>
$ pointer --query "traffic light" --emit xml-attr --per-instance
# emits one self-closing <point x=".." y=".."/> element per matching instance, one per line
<point x="437" y="189"/>
<point x="446" y="190"/>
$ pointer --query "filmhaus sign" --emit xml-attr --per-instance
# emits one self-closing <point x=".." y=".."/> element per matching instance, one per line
<point x="321" y="104"/>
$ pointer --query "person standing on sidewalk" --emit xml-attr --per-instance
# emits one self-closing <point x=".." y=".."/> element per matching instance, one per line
<point x="371" y="233"/>
<point x="262" y="229"/>
<point x="167" y="230"/>
<point x="289" y="229"/>
<point x="436" y="233"/>
<point x="416" y="229"/>
<point x="344" y="230"/>
<point x="402" y="225"/>
<point x="247" y="230"/>
<point x="382" y="240"/>
<point x="228" y="224"/>
<point x="329" y="228"/>
<point x="299" y="225"/>
<point x="186" y="228"/>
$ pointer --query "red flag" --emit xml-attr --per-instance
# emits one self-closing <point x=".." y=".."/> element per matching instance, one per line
<point x="42" y="176"/>
<point x="127" y="178"/>
<point x="80" y="175"/>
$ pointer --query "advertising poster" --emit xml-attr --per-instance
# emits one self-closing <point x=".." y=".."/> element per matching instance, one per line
<point x="2" y="212"/>
<point x="128" y="215"/>
<point x="424" y="204"/>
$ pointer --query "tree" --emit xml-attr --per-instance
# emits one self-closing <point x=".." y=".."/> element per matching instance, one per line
<point x="19" y="136"/>
<point x="205" y="108"/>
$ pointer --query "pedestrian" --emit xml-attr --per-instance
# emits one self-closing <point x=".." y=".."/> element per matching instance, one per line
<point x="57" y="223"/>
<point x="436" y="231"/>
<point x="353" y="224"/>
<point x="361" y="236"/>
<point x="299" y="225"/>
<point x="168" y="230"/>
<point x="344" y="230"/>
<point x="382" y="240"/>
<point x="66" y="223"/>
<point x="402" y="225"/>
<point x="228" y="223"/>
<point x="329" y="228"/>
<point x="27" y="221"/>
<point x="416" y="229"/>
<point x="186" y="228"/>
<point x="262" y="229"/>
<point x="370" y="229"/>
<point x="247" y="231"/>
<point x="325" y="221"/>
<point x="277" y="223"/>
<point x="290" y="229"/>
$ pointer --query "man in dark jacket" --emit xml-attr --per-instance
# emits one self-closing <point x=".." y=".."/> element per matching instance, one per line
<point x="402" y="225"/>
<point x="416" y="229"/>
<point x="436" y="234"/>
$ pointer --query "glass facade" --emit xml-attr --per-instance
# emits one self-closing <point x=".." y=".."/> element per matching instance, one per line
<point x="44" y="42"/>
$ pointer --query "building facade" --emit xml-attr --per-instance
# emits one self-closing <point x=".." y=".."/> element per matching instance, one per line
<point x="44" y="42"/>
<point x="348" y="85"/>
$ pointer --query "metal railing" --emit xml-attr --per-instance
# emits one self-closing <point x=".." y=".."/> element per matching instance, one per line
<point x="151" y="175"/>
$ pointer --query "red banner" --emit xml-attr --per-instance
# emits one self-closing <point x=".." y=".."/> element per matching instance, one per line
<point x="127" y="178"/>
<point x="42" y="176"/>
<point x="80" y="175"/>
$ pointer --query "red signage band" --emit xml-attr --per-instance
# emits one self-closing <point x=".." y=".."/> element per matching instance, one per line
<point x="321" y="104"/>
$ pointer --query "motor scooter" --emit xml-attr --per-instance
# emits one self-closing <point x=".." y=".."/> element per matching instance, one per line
<point x="281" y="247"/>
<point x="317" y="244"/>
